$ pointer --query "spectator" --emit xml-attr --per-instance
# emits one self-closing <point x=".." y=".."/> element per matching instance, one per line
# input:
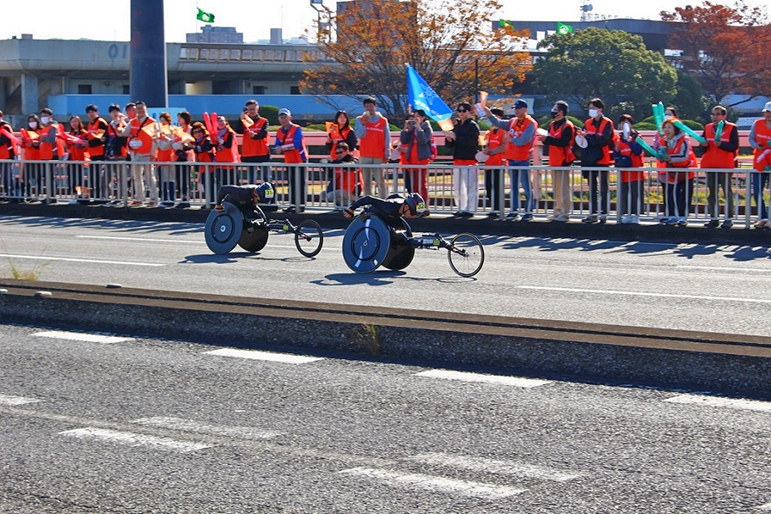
<point x="374" y="145"/>
<point x="598" y="133"/>
<point x="9" y="151"/>
<point x="204" y="154"/>
<point x="346" y="184"/>
<point x="141" y="143"/>
<point x="415" y="141"/>
<point x="679" y="156"/>
<point x="255" y="145"/>
<point x="340" y="131"/>
<point x="760" y="140"/>
<point x="183" y="153"/>
<point x="77" y="151"/>
<point x="227" y="152"/>
<point x="494" y="148"/>
<point x="721" y="153"/>
<point x="464" y="140"/>
<point x="97" y="137"/>
<point x="291" y="143"/>
<point x="115" y="149"/>
<point x="559" y="139"/>
<point x="164" y="157"/>
<point x="32" y="170"/>
<point x="628" y="154"/>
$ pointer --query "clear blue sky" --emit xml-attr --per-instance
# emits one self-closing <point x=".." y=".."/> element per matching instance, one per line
<point x="108" y="19"/>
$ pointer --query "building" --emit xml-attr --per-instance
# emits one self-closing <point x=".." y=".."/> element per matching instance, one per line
<point x="211" y="34"/>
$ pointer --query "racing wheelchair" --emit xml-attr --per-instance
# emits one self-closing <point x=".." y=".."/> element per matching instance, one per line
<point x="371" y="242"/>
<point x="224" y="230"/>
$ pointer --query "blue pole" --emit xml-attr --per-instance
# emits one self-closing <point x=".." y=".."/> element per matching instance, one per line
<point x="148" y="53"/>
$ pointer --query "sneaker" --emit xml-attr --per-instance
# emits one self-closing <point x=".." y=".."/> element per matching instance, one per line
<point x="592" y="218"/>
<point x="466" y="214"/>
<point x="672" y="222"/>
<point x="135" y="203"/>
<point x="602" y="219"/>
<point x="562" y="218"/>
<point x="527" y="217"/>
<point x="456" y="214"/>
<point x="634" y="220"/>
<point x="727" y="224"/>
<point x="167" y="203"/>
<point x="761" y="224"/>
<point x="626" y="219"/>
<point x="290" y="209"/>
<point x="151" y="204"/>
<point x="182" y="205"/>
<point x="682" y="222"/>
<point x="512" y="216"/>
<point x="711" y="224"/>
<point x="492" y="215"/>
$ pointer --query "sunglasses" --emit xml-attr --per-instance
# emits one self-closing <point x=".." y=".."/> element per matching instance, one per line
<point x="462" y="110"/>
<point x="339" y="151"/>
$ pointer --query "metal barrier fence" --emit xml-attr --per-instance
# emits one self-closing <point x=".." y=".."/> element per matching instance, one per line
<point x="618" y="193"/>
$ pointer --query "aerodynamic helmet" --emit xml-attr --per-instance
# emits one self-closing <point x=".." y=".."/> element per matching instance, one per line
<point x="416" y="204"/>
<point x="266" y="193"/>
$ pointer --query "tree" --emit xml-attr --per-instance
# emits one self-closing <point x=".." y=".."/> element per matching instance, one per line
<point x="725" y="48"/>
<point x="690" y="101"/>
<point x="445" y="43"/>
<point x="610" y="64"/>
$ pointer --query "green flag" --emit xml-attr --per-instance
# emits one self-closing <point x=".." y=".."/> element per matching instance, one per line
<point x="205" y="17"/>
<point x="563" y="29"/>
<point x="504" y="23"/>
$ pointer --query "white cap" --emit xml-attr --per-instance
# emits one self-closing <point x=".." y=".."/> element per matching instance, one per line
<point x="767" y="107"/>
<point x="284" y="111"/>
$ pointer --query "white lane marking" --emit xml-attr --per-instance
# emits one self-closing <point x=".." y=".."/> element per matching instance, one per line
<point x="713" y="401"/>
<point x="132" y="439"/>
<point x="479" y="377"/>
<point x="90" y="261"/>
<point x="766" y="507"/>
<point x="142" y="240"/>
<point x="639" y="293"/>
<point x="436" y="484"/>
<point x="6" y="399"/>
<point x="77" y="336"/>
<point x="264" y="356"/>
<point x="717" y="268"/>
<point x="498" y="467"/>
<point x="189" y="425"/>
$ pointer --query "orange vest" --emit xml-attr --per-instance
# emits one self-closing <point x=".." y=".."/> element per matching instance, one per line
<point x="140" y="141"/>
<point x="228" y="154"/>
<point x="714" y="157"/>
<point x="290" y="156"/>
<point x="762" y="137"/>
<point x="47" y="149"/>
<point x="516" y="129"/>
<point x="373" y="143"/>
<point x="77" y="153"/>
<point x="95" y="131"/>
<point x="673" y="177"/>
<point x="494" y="139"/>
<point x="637" y="162"/>
<point x="559" y="155"/>
<point x="342" y="134"/>
<point x="591" y="130"/>
<point x="30" y="152"/>
<point x="255" y="147"/>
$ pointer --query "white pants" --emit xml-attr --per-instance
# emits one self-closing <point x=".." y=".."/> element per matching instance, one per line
<point x="141" y="171"/>
<point x="466" y="184"/>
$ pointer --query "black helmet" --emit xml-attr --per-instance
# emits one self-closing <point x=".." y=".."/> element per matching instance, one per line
<point x="266" y="193"/>
<point x="416" y="204"/>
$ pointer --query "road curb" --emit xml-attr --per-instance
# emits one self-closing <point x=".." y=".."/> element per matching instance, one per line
<point x="724" y="363"/>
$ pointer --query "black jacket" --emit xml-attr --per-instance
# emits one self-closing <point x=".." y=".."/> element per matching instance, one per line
<point x="466" y="144"/>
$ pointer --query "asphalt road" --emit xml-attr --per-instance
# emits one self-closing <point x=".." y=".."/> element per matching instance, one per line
<point x="714" y="288"/>
<point x="96" y="424"/>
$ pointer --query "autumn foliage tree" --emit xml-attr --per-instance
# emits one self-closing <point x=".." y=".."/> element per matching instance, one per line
<point x="447" y="44"/>
<point x="725" y="48"/>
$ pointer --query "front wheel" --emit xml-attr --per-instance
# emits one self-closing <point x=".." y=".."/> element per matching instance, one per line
<point x="466" y="255"/>
<point x="308" y="238"/>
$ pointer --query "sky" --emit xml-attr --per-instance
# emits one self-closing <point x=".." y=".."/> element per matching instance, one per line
<point x="108" y="20"/>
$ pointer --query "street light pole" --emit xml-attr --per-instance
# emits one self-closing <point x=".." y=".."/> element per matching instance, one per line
<point x="476" y="80"/>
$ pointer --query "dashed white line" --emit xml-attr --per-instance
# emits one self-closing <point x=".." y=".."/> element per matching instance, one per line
<point x="498" y="467"/>
<point x="77" y="336"/>
<point x="90" y="261"/>
<point x="640" y="293"/>
<point x="135" y="440"/>
<point x="188" y="425"/>
<point x="479" y="377"/>
<point x="16" y="400"/>
<point x="713" y="401"/>
<point x="436" y="484"/>
<point x="264" y="356"/>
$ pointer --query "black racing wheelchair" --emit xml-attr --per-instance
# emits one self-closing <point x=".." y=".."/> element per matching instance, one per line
<point x="371" y="242"/>
<point x="226" y="229"/>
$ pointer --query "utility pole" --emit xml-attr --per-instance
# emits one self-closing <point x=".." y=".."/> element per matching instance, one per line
<point x="148" y="76"/>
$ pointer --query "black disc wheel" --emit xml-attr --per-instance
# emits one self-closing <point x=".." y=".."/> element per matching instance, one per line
<point x="308" y="238"/>
<point x="399" y="257"/>
<point x="466" y="255"/>
<point x="253" y="239"/>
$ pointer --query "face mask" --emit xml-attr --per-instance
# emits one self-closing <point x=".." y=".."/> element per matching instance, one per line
<point x="32" y="124"/>
<point x="593" y="113"/>
<point x="45" y="119"/>
<point x="554" y="114"/>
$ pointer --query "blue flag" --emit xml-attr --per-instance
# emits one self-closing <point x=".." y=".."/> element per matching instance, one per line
<point x="421" y="96"/>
